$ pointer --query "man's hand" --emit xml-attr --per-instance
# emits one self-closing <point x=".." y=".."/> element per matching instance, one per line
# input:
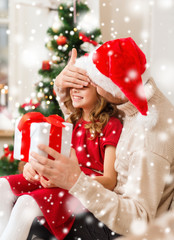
<point x="30" y="174"/>
<point x="118" y="99"/>
<point x="62" y="172"/>
<point x="71" y="76"/>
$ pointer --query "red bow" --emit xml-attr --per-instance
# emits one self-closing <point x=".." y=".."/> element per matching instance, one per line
<point x="24" y="127"/>
<point x="84" y="38"/>
<point x="8" y="153"/>
<point x="30" y="104"/>
<point x="31" y="117"/>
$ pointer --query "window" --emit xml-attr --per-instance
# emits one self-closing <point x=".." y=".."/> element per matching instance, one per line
<point x="3" y="52"/>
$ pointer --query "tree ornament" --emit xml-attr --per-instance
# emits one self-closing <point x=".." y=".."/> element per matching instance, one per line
<point x="61" y="40"/>
<point x="40" y="84"/>
<point x="43" y="104"/>
<point x="55" y="27"/>
<point x="54" y="93"/>
<point x="51" y="83"/>
<point x="40" y="95"/>
<point x="72" y="33"/>
<point x="55" y="59"/>
<point x="46" y="90"/>
<point x="46" y="65"/>
<point x="49" y="45"/>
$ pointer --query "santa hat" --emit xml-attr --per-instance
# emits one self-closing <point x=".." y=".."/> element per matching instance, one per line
<point x="117" y="66"/>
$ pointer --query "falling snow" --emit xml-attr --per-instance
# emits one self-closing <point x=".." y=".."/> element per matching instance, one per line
<point x="138" y="227"/>
<point x="163" y="69"/>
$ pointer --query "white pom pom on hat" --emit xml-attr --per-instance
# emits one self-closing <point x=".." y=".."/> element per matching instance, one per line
<point x="117" y="65"/>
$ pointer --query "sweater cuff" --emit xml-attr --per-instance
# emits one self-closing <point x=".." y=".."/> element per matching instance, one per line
<point x="86" y="190"/>
<point x="62" y="95"/>
<point x="79" y="185"/>
<point x="60" y="92"/>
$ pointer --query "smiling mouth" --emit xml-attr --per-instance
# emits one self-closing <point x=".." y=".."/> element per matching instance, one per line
<point x="77" y="98"/>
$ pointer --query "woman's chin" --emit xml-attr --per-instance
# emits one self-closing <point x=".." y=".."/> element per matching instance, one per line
<point x="76" y="105"/>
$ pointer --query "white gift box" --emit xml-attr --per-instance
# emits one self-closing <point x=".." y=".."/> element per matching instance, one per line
<point x="40" y="134"/>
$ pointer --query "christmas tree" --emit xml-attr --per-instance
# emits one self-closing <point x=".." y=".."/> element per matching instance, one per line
<point x="8" y="165"/>
<point x="61" y="41"/>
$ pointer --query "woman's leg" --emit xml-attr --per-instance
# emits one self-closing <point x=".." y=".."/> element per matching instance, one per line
<point x="22" y="216"/>
<point x="7" y="200"/>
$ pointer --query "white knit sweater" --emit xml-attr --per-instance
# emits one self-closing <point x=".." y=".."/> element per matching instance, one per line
<point x="144" y="163"/>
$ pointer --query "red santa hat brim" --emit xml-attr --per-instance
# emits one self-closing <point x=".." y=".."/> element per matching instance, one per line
<point x="96" y="76"/>
<point x="117" y="66"/>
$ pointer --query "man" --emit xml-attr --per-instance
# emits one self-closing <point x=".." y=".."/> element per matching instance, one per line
<point x="144" y="155"/>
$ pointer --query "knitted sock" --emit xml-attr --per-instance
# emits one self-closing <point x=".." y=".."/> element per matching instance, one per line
<point x="7" y="199"/>
<point x="22" y="216"/>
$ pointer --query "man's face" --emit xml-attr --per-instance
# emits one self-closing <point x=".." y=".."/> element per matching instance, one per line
<point x="110" y="98"/>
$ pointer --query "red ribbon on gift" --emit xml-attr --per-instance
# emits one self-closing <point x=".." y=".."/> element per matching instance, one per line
<point x="84" y="38"/>
<point x="37" y="117"/>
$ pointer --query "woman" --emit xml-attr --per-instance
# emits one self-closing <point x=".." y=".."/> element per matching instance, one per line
<point x="95" y="136"/>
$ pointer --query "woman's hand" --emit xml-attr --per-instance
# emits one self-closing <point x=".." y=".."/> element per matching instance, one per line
<point x="46" y="183"/>
<point x="30" y="174"/>
<point x="71" y="76"/>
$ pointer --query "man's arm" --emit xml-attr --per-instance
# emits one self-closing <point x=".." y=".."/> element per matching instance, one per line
<point x="140" y="200"/>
